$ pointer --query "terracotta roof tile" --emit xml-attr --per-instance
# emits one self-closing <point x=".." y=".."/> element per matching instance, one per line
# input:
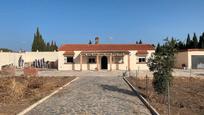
<point x="69" y="53"/>
<point x="142" y="52"/>
<point x="105" y="47"/>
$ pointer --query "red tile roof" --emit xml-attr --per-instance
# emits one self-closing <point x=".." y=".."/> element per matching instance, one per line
<point x="69" y="53"/>
<point x="105" y="51"/>
<point x="142" y="52"/>
<point x="103" y="47"/>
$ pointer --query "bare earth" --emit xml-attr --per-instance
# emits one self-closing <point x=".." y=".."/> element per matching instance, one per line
<point x="96" y="92"/>
<point x="17" y="93"/>
<point x="187" y="95"/>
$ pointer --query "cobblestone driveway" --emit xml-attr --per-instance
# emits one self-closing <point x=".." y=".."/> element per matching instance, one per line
<point x="93" y="95"/>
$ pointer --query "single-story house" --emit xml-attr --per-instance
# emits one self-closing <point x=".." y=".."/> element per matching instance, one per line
<point x="190" y="59"/>
<point x="104" y="56"/>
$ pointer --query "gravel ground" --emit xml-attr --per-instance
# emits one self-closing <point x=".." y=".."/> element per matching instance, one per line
<point x="93" y="95"/>
<point x="141" y="73"/>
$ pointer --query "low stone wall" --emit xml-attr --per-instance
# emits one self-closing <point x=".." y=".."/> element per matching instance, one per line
<point x="8" y="70"/>
<point x="30" y="71"/>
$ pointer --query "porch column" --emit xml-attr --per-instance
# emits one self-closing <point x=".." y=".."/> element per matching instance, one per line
<point x="111" y="61"/>
<point x="128" y="62"/>
<point x="97" y="61"/>
<point x="81" y="60"/>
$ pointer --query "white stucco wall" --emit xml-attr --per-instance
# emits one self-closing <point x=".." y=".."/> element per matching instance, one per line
<point x="28" y="57"/>
<point x="181" y="58"/>
<point x="7" y="58"/>
<point x="134" y="65"/>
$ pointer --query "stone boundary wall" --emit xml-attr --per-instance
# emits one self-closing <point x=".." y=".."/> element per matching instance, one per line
<point x="12" y="58"/>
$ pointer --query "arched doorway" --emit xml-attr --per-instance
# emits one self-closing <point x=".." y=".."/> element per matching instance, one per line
<point x="104" y="62"/>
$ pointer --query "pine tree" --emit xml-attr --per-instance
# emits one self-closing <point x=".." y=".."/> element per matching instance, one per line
<point x="195" y="41"/>
<point x="188" y="42"/>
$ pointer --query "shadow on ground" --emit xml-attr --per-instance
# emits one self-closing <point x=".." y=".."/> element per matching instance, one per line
<point x="117" y="89"/>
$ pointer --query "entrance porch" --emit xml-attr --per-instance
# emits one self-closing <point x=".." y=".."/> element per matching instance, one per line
<point x="105" y="60"/>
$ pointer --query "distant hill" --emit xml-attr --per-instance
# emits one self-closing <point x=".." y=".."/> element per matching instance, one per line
<point x="6" y="50"/>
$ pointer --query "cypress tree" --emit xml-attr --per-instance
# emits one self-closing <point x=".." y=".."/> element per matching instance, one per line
<point x="34" y="44"/>
<point x="202" y="41"/>
<point x="158" y="48"/>
<point x="180" y="45"/>
<point x="136" y="42"/>
<point x="38" y="42"/>
<point x="48" y="46"/>
<point x="90" y="42"/>
<point x="188" y="42"/>
<point x="52" y="46"/>
<point x="55" y="46"/>
<point x="195" y="41"/>
<point x="140" y="42"/>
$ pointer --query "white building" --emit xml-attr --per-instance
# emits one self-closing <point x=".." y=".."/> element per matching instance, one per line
<point x="87" y="57"/>
<point x="104" y="56"/>
<point x="190" y="58"/>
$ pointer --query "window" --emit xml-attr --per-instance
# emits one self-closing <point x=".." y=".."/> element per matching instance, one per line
<point x="68" y="59"/>
<point x="142" y="59"/>
<point x="118" y="60"/>
<point x="92" y="60"/>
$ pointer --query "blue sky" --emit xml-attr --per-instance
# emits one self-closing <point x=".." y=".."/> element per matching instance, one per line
<point x="114" y="21"/>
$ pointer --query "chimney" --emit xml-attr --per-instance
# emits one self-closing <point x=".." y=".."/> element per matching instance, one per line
<point x="97" y="40"/>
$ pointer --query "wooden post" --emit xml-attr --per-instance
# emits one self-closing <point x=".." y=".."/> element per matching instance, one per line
<point x="97" y="62"/>
<point x="128" y="62"/>
<point x="81" y="60"/>
<point x="168" y="95"/>
<point x="146" y="86"/>
<point x="111" y="61"/>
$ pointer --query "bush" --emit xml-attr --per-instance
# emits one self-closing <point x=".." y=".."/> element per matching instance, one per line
<point x="162" y="63"/>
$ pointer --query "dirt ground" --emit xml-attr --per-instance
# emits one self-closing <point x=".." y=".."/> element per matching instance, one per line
<point x="17" y="93"/>
<point x="187" y="95"/>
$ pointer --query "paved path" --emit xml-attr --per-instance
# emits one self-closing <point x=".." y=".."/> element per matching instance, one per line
<point x="93" y="95"/>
